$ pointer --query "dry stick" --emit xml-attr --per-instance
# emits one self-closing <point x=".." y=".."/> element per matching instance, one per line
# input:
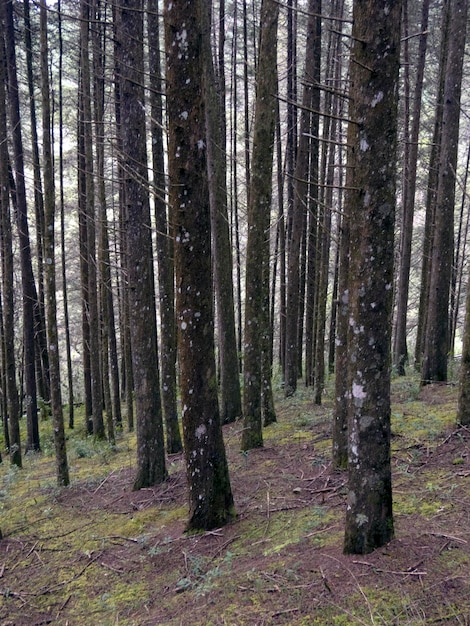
<point x="104" y="481"/>
<point x="452" y="537"/>
<point x="322" y="530"/>
<point x="63" y="605"/>
<point x="223" y="546"/>
<point x="389" y="571"/>
<point x="284" y="612"/>
<point x="113" y="569"/>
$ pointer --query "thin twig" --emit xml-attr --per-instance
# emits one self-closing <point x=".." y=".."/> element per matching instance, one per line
<point x="389" y="571"/>
<point x="104" y="481"/>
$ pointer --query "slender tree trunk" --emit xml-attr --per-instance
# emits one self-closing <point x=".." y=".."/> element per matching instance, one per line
<point x="105" y="305"/>
<point x="259" y="207"/>
<point x="431" y="195"/>
<point x="308" y="127"/>
<point x="463" y="407"/>
<point x="459" y="260"/>
<point x="127" y="374"/>
<point x="231" y="406"/>
<point x="409" y="186"/>
<point x="68" y="348"/>
<point x="41" y="353"/>
<point x="62" y="469"/>
<point x="437" y="327"/>
<point x="94" y="324"/>
<point x="4" y="383"/>
<point x="164" y="242"/>
<point x="11" y="405"/>
<point x="28" y="286"/>
<point x="234" y="188"/>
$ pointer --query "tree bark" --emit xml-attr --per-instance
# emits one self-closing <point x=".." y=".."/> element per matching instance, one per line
<point x="371" y="205"/>
<point x="437" y="326"/>
<point x="29" y="292"/>
<point x="210" y="494"/>
<point x="306" y="153"/>
<point x="62" y="469"/>
<point x="164" y="243"/>
<point x="409" y="186"/>
<point x="230" y="394"/>
<point x="151" y="468"/>
<point x="11" y="415"/>
<point x="259" y="207"/>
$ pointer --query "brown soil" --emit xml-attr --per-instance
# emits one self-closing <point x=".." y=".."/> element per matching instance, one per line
<point x="280" y="562"/>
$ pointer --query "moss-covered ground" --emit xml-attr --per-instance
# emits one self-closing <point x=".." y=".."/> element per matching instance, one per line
<point x="98" y="553"/>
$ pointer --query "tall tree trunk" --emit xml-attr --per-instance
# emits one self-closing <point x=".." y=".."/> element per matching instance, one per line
<point x="259" y="207"/>
<point x="151" y="467"/>
<point x="431" y="194"/>
<point x="98" y="37"/>
<point x="234" y="187"/>
<point x="230" y="394"/>
<point x="11" y="415"/>
<point x="210" y="494"/>
<point x="42" y="359"/>
<point x="127" y="385"/>
<point x="371" y="204"/>
<point x="28" y="285"/>
<point x="165" y="254"/>
<point x="62" y="469"/>
<point x="459" y="259"/>
<point x="308" y="127"/>
<point x="4" y="383"/>
<point x="409" y="189"/>
<point x="94" y="325"/>
<point x="463" y="406"/>
<point x="437" y="326"/>
<point x="68" y="348"/>
<point x="82" y="185"/>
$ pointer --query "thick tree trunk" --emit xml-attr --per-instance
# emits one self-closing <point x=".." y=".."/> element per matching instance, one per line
<point x="210" y="495"/>
<point x="371" y="206"/>
<point x="151" y="468"/>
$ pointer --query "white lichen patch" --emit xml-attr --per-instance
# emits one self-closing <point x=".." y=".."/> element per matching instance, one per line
<point x="361" y="519"/>
<point x="201" y="430"/>
<point x="376" y="99"/>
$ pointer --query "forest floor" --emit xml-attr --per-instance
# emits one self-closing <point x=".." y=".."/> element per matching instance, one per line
<point x="98" y="553"/>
